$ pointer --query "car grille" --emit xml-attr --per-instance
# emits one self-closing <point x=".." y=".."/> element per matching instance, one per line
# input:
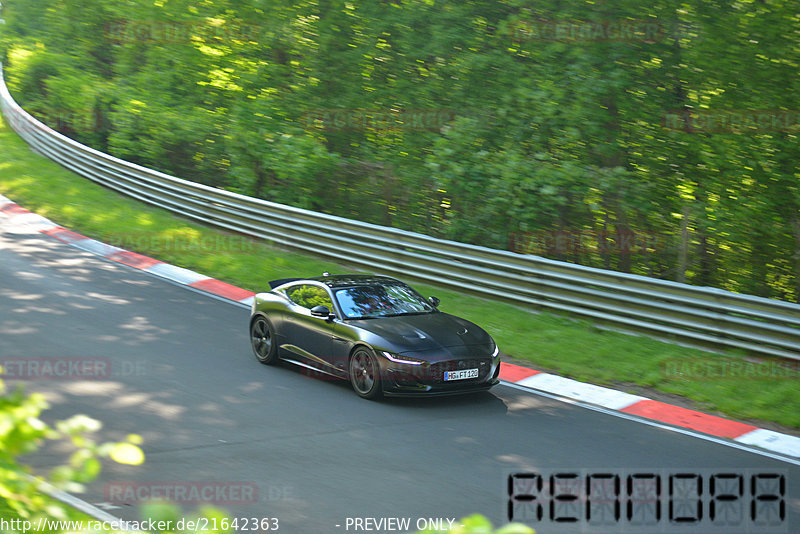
<point x="436" y="370"/>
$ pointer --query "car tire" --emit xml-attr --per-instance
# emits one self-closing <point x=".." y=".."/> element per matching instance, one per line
<point x="262" y="338"/>
<point x="365" y="374"/>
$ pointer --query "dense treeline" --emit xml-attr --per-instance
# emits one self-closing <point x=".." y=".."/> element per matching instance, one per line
<point x="659" y="138"/>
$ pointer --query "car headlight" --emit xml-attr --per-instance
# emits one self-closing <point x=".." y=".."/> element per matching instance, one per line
<point x="496" y="351"/>
<point x="396" y="358"/>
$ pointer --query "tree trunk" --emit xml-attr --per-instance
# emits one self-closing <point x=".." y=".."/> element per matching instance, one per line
<point x="796" y="257"/>
<point x="683" y="248"/>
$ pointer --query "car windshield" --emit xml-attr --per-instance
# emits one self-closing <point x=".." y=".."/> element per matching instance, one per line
<point x="362" y="302"/>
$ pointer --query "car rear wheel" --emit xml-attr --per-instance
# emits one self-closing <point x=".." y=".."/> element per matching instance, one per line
<point x="365" y="374"/>
<point x="262" y="337"/>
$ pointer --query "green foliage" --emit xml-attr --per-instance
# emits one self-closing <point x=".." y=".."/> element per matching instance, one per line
<point x="22" y="493"/>
<point x="206" y="518"/>
<point x="478" y="524"/>
<point x="310" y="296"/>
<point x="22" y="432"/>
<point x="532" y="134"/>
<point x="553" y="343"/>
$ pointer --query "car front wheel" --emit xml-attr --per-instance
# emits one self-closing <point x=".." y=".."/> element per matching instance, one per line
<point x="365" y="374"/>
<point x="262" y="337"/>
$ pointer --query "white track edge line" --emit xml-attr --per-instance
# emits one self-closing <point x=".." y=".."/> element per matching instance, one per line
<point x="657" y="424"/>
<point x="567" y="400"/>
<point x="81" y="505"/>
<point x="608" y="411"/>
<point x="160" y="277"/>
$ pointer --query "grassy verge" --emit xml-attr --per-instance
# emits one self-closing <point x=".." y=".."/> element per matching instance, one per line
<point x="550" y="342"/>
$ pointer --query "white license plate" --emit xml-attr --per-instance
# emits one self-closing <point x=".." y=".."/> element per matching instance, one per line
<point x="461" y="374"/>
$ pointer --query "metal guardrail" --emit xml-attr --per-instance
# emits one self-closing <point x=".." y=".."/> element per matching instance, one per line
<point x="701" y="316"/>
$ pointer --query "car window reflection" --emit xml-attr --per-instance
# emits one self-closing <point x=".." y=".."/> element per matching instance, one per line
<point x="380" y="301"/>
<point x="309" y="296"/>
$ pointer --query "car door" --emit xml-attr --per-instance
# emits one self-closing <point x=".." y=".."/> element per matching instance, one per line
<point x="309" y="337"/>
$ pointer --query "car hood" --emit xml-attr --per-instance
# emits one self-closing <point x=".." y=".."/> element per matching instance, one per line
<point x="432" y="331"/>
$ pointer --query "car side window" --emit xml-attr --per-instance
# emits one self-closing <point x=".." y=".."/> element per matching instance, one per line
<point x="308" y="296"/>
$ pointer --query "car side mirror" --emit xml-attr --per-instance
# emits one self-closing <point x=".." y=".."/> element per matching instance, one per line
<point x="434" y="301"/>
<point x="322" y="311"/>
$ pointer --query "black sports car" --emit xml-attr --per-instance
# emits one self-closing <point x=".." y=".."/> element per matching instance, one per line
<point x="376" y="332"/>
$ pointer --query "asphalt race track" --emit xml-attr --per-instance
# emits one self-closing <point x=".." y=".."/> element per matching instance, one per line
<point x="182" y="375"/>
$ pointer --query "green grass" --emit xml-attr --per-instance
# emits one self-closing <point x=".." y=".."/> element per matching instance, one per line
<point x="550" y="342"/>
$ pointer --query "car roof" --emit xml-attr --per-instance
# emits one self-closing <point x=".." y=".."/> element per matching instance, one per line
<point x="349" y="280"/>
<point x="339" y="280"/>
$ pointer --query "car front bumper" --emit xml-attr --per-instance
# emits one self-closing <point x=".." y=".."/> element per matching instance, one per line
<point x="402" y="383"/>
<point x="429" y="391"/>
